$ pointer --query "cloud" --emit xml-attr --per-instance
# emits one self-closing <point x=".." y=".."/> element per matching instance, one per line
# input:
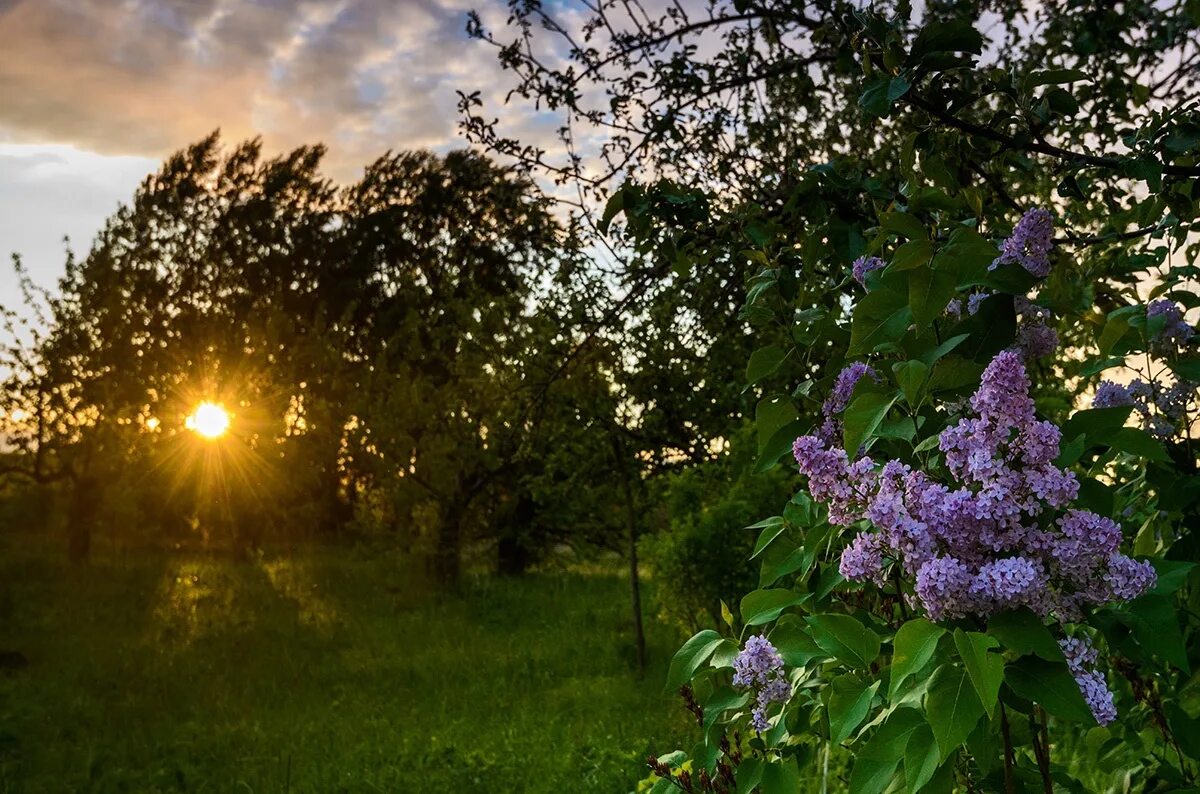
<point x="48" y="193"/>
<point x="145" y="78"/>
<point x="96" y="92"/>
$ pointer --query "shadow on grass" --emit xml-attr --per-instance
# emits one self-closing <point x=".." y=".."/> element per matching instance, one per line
<point x="322" y="671"/>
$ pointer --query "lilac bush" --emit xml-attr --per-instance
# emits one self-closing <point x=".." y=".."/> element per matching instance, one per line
<point x="1001" y="533"/>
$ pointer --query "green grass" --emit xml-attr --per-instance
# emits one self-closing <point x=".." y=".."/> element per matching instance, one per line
<point x="325" y="671"/>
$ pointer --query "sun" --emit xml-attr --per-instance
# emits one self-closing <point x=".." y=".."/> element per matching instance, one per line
<point x="209" y="420"/>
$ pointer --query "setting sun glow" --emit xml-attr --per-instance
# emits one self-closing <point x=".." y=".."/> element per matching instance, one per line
<point x="209" y="420"/>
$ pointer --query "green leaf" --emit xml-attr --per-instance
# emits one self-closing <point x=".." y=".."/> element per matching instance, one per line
<point x="912" y="254"/>
<point x="861" y="418"/>
<point x="1171" y="575"/>
<point x="748" y="775"/>
<point x="968" y="254"/>
<point x="914" y="646"/>
<point x="920" y="759"/>
<point x="992" y="328"/>
<point x="1156" y="628"/>
<point x="778" y="445"/>
<point x="687" y="660"/>
<point x="843" y="637"/>
<point x="849" y="701"/>
<point x="955" y="35"/>
<point x="1022" y="631"/>
<point x="771" y="414"/>
<point x="875" y="763"/>
<point x="882" y="316"/>
<point x="614" y="206"/>
<point x="903" y="224"/>
<point x="880" y="93"/>
<point x="768" y="535"/>
<point x="763" y="606"/>
<point x="725" y="653"/>
<point x="1185" y="729"/>
<point x="780" y="777"/>
<point x="764" y="362"/>
<point x="1049" y="684"/>
<point x="944" y="348"/>
<point x="911" y="375"/>
<point x="720" y="701"/>
<point x="1115" y="328"/>
<point x="1187" y="368"/>
<point x="777" y="425"/>
<point x="952" y="707"/>
<point x="1138" y="442"/>
<point x="1053" y="77"/>
<point x="1096" y="423"/>
<point x="985" y="669"/>
<point x="929" y="291"/>
<point x="795" y="644"/>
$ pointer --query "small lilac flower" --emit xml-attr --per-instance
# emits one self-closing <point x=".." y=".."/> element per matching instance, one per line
<point x="1081" y="661"/>
<point x="1175" y="331"/>
<point x="1127" y="578"/>
<point x="975" y="301"/>
<point x="955" y="309"/>
<point x="756" y="662"/>
<point x="1111" y="395"/>
<point x="863" y="559"/>
<point x="942" y="586"/>
<point x="1007" y="582"/>
<point x="1030" y="243"/>
<point x="864" y="265"/>
<point x="843" y="386"/>
<point x="1037" y="341"/>
<point x="759" y="666"/>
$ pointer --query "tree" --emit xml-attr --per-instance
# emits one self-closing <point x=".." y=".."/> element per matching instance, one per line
<point x="930" y="668"/>
<point x="382" y="337"/>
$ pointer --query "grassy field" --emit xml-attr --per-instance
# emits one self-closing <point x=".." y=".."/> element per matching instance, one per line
<point x="321" y="672"/>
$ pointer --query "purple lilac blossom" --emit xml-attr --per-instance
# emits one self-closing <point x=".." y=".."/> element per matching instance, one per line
<point x="1081" y="660"/>
<point x="864" y="265"/>
<point x="1163" y="409"/>
<point x="1030" y="243"/>
<point x="839" y="397"/>
<point x="975" y="301"/>
<point x="1037" y="341"/>
<point x="1111" y="395"/>
<point x="982" y="544"/>
<point x="759" y="666"/>
<point x="979" y="546"/>
<point x="1175" y="330"/>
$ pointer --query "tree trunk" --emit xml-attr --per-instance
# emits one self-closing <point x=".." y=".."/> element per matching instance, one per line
<point x="80" y="518"/>
<point x="447" y="562"/>
<point x="513" y="555"/>
<point x="635" y="586"/>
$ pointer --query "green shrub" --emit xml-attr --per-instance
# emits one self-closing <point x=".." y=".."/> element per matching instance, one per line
<point x="700" y="556"/>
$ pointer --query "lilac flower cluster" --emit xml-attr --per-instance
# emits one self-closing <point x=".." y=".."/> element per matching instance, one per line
<point x="1175" y="331"/>
<point x="864" y="265"/>
<point x="1030" y="243"/>
<point x="760" y="667"/>
<point x="1081" y="659"/>
<point x="839" y="398"/>
<point x="1164" y="410"/>
<point x="989" y="543"/>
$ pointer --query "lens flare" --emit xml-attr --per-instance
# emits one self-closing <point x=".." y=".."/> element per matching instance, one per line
<point x="209" y="420"/>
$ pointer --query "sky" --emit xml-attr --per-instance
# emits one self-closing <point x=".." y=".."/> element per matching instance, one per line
<point x="94" y="93"/>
